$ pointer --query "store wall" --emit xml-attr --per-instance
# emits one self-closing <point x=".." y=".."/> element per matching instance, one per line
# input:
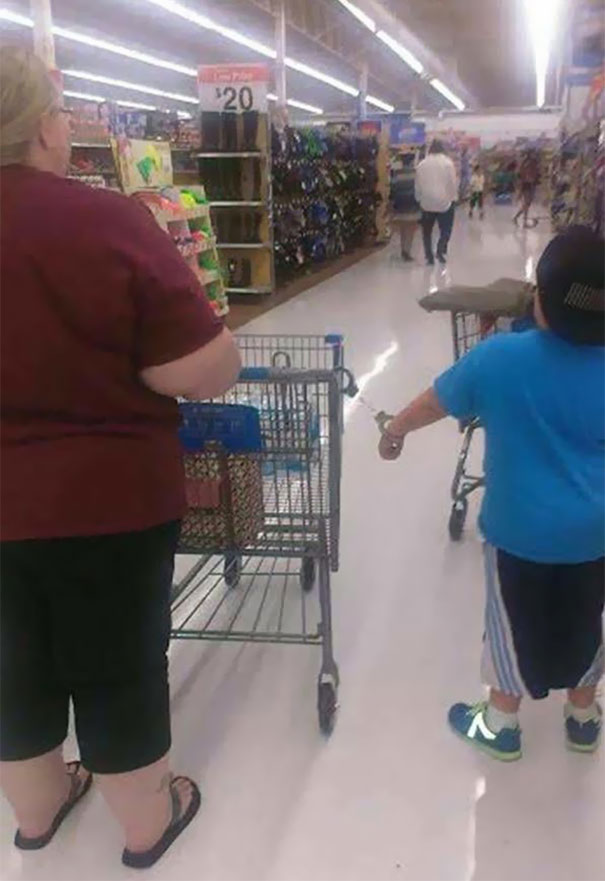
<point x="492" y="128"/>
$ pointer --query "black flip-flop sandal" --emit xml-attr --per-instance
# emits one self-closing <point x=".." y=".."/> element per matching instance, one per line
<point x="147" y="858"/>
<point x="78" y="790"/>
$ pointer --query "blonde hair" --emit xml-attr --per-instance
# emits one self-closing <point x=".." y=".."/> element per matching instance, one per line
<point x="26" y="93"/>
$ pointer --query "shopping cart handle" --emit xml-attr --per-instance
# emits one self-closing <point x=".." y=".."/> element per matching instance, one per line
<point x="349" y="386"/>
<point x="254" y="374"/>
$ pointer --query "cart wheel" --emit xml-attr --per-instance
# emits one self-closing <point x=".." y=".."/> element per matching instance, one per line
<point x="307" y="573"/>
<point x="458" y="519"/>
<point x="326" y="706"/>
<point x="232" y="570"/>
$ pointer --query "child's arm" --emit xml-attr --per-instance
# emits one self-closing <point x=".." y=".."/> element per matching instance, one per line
<point x="423" y="411"/>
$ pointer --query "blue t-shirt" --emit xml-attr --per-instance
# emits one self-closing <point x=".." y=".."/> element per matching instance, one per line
<point x="541" y="402"/>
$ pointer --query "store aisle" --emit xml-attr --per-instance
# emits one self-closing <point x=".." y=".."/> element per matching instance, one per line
<point x="392" y="794"/>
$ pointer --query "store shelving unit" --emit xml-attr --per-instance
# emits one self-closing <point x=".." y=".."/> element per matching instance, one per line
<point x="192" y="231"/>
<point x="328" y="196"/>
<point x="93" y="162"/>
<point x="238" y="183"/>
<point x="577" y="178"/>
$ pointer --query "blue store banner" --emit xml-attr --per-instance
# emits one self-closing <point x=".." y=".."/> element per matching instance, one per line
<point x="404" y="131"/>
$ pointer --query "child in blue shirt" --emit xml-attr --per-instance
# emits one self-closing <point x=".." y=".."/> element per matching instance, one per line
<point x="540" y="397"/>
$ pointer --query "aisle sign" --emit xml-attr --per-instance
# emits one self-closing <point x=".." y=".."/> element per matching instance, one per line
<point x="233" y="88"/>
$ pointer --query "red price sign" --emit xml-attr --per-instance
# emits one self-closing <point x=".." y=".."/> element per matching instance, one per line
<point x="233" y="88"/>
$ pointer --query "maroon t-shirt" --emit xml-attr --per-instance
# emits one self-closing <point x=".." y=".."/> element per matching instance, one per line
<point x="92" y="291"/>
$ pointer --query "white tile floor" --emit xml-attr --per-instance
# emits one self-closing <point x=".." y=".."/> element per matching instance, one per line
<point x="392" y="795"/>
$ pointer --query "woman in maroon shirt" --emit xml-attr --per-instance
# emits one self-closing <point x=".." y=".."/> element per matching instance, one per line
<point x="102" y="324"/>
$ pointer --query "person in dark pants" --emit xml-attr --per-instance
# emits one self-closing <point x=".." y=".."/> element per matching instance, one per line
<point x="436" y="192"/>
<point x="103" y="325"/>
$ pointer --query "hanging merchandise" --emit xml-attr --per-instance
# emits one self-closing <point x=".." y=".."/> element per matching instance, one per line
<point x="325" y="195"/>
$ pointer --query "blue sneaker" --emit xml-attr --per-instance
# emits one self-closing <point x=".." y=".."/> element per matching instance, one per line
<point x="583" y="737"/>
<point x="469" y="722"/>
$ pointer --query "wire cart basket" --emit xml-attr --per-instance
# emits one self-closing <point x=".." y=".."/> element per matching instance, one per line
<point x="476" y="313"/>
<point x="468" y="329"/>
<point x="263" y="468"/>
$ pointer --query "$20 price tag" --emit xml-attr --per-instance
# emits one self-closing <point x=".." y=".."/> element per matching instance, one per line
<point x="233" y="88"/>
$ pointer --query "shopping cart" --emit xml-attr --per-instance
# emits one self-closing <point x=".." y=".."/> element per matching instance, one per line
<point x="263" y="468"/>
<point x="476" y="313"/>
<point x="468" y="329"/>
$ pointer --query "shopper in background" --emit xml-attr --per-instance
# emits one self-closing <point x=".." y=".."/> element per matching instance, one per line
<point x="102" y="325"/>
<point x="436" y="192"/>
<point x="477" y="187"/>
<point x="540" y="396"/>
<point x="528" y="177"/>
<point x="406" y="212"/>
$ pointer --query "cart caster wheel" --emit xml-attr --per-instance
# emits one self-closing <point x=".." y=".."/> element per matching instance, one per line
<point x="308" y="571"/>
<point x="232" y="570"/>
<point x="458" y="519"/>
<point x="326" y="706"/>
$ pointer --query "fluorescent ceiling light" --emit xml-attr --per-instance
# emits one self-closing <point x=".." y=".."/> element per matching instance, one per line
<point x="134" y="54"/>
<point x="204" y="22"/>
<point x="300" y="104"/>
<point x="85" y="96"/>
<point x="542" y="29"/>
<point x="123" y="84"/>
<point x="378" y="103"/>
<point x="359" y="14"/>
<point x="447" y="93"/>
<point x="322" y="77"/>
<point x="401" y="51"/>
<point x="106" y="45"/>
<point x="136" y="105"/>
<point x="194" y="17"/>
<point x="15" y="18"/>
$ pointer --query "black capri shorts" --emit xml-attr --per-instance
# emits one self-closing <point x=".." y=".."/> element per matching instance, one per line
<point x="543" y="624"/>
<point x="87" y="619"/>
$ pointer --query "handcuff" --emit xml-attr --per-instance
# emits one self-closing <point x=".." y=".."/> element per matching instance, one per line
<point x="383" y="420"/>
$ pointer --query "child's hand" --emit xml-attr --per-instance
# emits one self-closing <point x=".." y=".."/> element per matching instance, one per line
<point x="390" y="447"/>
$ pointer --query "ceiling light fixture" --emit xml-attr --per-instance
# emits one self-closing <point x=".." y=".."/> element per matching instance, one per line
<point x="124" y="84"/>
<point x="360" y="15"/>
<point x="16" y="18"/>
<point x="542" y="30"/>
<point x="300" y="104"/>
<point x="204" y="22"/>
<point x="322" y="77"/>
<point x="382" y="105"/>
<point x="106" y="45"/>
<point x="447" y="93"/>
<point x="83" y="96"/>
<point x="401" y="51"/>
<point x="99" y="99"/>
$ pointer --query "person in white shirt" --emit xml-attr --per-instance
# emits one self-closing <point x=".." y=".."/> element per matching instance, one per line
<point x="436" y="191"/>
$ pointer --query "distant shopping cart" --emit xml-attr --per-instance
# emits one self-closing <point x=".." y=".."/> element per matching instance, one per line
<point x="476" y="313"/>
<point x="263" y="469"/>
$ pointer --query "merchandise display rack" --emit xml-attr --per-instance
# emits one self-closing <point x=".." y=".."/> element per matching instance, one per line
<point x="239" y="187"/>
<point x="577" y="178"/>
<point x="190" y="227"/>
<point x="327" y="189"/>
